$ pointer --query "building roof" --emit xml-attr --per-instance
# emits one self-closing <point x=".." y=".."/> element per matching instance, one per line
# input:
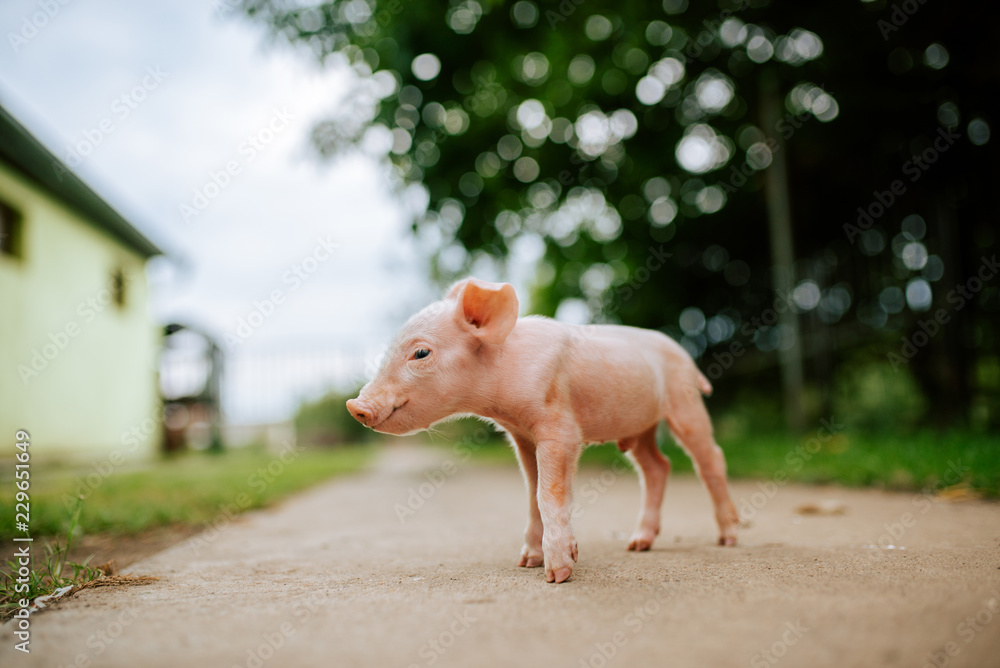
<point x="19" y="149"/>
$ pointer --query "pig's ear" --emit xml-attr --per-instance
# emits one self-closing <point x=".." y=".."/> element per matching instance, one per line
<point x="456" y="288"/>
<point x="488" y="309"/>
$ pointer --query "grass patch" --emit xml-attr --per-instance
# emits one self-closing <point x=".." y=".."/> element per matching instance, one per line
<point x="46" y="575"/>
<point x="898" y="462"/>
<point x="190" y="489"/>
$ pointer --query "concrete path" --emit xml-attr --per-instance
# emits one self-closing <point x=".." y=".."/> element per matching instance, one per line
<point x="334" y="578"/>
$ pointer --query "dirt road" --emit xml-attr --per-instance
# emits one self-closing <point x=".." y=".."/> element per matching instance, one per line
<point x="335" y="578"/>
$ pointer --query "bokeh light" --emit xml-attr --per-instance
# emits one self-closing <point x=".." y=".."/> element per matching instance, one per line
<point x="919" y="295"/>
<point x="936" y="56"/>
<point x="978" y="131"/>
<point x="701" y="149"/>
<point x="598" y="28"/>
<point x="524" y="13"/>
<point x="426" y="66"/>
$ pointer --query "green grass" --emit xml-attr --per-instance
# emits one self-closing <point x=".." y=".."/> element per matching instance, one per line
<point x="913" y="462"/>
<point x="899" y="462"/>
<point x="47" y="574"/>
<point x="192" y="489"/>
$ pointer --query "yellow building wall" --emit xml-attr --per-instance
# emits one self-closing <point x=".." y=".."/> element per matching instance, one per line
<point x="77" y="371"/>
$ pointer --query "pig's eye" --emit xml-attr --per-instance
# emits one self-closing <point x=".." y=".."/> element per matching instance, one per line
<point x="421" y="353"/>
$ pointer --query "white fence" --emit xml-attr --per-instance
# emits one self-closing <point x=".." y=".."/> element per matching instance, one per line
<point x="268" y="386"/>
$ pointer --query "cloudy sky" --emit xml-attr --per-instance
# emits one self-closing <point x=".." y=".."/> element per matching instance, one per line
<point x="151" y="103"/>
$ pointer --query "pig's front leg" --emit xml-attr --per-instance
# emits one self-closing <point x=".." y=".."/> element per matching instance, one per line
<point x="556" y="463"/>
<point x="531" y="553"/>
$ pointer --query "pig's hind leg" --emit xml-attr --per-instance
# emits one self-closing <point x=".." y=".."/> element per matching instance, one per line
<point x="531" y="552"/>
<point x="692" y="428"/>
<point x="654" y="467"/>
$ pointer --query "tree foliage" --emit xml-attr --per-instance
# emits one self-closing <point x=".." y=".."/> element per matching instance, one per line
<point x="624" y="144"/>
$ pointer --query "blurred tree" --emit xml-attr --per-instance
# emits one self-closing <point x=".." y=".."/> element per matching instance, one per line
<point x="640" y="151"/>
<point x="324" y="422"/>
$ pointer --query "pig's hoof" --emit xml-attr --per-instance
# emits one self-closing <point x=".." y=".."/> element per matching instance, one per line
<point x="640" y="541"/>
<point x="728" y="537"/>
<point x="531" y="558"/>
<point x="559" y="560"/>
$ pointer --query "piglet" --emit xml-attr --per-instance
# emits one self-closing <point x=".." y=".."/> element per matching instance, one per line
<point x="554" y="388"/>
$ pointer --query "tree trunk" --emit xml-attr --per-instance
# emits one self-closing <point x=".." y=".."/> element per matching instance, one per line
<point x="779" y="219"/>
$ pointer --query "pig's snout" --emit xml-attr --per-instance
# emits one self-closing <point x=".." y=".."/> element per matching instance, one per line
<point x="361" y="411"/>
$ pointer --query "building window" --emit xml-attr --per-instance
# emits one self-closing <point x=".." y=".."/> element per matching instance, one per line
<point x="118" y="285"/>
<point x="10" y="231"/>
